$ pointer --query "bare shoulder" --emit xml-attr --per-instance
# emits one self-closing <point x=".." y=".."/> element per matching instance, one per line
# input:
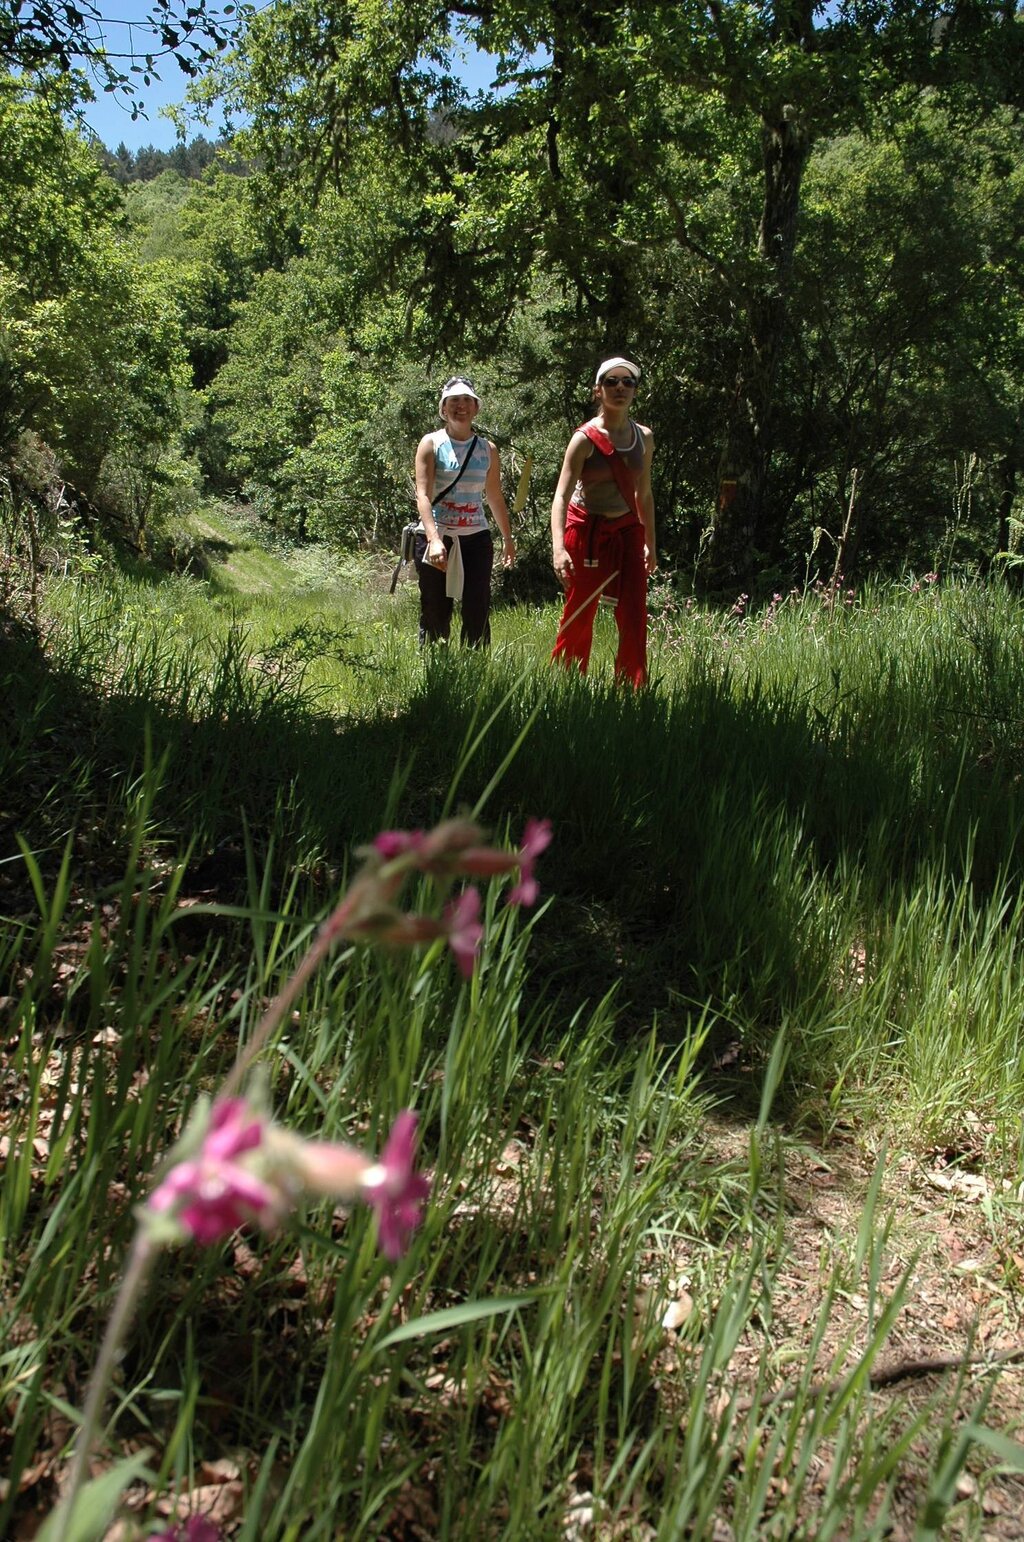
<point x="647" y="440"/>
<point x="428" y="442"/>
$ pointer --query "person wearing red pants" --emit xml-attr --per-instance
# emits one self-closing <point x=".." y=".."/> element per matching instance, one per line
<point x="602" y="526"/>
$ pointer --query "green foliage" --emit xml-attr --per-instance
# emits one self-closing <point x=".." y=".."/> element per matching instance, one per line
<point x="147" y="163"/>
<point x="907" y="328"/>
<point x="57" y="50"/>
<point x="91" y="350"/>
<point x="195" y="240"/>
<point x="153" y="212"/>
<point x="802" y="225"/>
<point x="639" y="187"/>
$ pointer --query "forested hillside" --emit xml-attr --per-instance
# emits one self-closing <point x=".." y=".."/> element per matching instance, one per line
<point x="807" y="227"/>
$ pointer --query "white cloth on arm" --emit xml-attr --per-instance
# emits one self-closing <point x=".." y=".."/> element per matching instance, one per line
<point x="455" y="574"/>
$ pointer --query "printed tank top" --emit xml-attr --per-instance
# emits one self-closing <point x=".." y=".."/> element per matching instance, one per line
<point x="597" y="490"/>
<point x="463" y="512"/>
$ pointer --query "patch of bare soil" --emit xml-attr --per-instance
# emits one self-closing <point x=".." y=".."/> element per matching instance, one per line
<point x="952" y="1238"/>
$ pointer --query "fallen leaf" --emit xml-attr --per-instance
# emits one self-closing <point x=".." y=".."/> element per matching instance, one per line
<point x="969" y="1186"/>
<point x="677" y="1311"/>
<point x="223" y="1470"/>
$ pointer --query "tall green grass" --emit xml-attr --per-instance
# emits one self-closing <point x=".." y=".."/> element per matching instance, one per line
<point x="808" y="832"/>
<point x="756" y="833"/>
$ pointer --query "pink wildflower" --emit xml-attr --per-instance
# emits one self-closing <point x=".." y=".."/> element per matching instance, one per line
<point x="323" y="1166"/>
<point x="404" y="930"/>
<point x="487" y="861"/>
<point x="198" y="1528"/>
<point x="443" y="847"/>
<point x="396" y="843"/>
<point x="536" y="838"/>
<point x="438" y="851"/>
<point x="462" y="923"/>
<point x="395" y="1189"/>
<point x="211" y="1195"/>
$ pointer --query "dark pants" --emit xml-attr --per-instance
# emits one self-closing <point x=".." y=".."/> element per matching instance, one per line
<point x="436" y="606"/>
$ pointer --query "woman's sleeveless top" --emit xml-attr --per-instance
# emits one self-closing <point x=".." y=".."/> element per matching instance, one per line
<point x="462" y="513"/>
<point x="597" y="490"/>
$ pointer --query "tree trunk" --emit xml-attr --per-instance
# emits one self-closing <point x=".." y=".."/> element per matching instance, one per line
<point x="743" y="535"/>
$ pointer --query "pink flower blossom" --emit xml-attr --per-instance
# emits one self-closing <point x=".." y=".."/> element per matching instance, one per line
<point x="404" y="930"/>
<point x="536" y="838"/>
<point x="198" y="1528"/>
<point x="396" y="843"/>
<point x="395" y="1189"/>
<point x="322" y="1166"/>
<point x="487" y="861"/>
<point x="211" y="1195"/>
<point x="443" y="847"/>
<point x="462" y="923"/>
<point x="455" y="846"/>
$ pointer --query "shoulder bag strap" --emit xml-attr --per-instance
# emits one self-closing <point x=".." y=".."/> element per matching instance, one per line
<point x="446" y="490"/>
<point x="622" y="473"/>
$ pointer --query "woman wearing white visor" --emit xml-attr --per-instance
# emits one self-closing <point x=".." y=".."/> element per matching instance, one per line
<point x="457" y="471"/>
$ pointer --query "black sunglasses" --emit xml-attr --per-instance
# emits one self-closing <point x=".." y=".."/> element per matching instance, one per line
<point x="620" y="380"/>
<point x="460" y="380"/>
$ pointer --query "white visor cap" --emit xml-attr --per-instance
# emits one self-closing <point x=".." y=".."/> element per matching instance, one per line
<point x="458" y="386"/>
<point x="617" y="363"/>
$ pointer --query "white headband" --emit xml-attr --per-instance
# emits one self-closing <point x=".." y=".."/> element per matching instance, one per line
<point x="616" y="363"/>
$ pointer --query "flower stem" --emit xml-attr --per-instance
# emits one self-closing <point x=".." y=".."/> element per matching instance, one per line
<point x="275" y="1012"/>
<point x="133" y="1281"/>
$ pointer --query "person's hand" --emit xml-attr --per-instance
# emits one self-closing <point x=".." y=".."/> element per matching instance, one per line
<point x="508" y="556"/>
<point x="435" y="555"/>
<point x="650" y="560"/>
<point x="563" y="566"/>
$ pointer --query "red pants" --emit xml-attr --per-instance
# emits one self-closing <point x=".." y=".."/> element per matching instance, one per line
<point x="608" y="564"/>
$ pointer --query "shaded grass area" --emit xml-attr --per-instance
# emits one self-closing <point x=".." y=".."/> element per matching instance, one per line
<point x="817" y="825"/>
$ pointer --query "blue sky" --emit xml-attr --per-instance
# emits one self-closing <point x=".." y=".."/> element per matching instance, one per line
<point x="113" y="121"/>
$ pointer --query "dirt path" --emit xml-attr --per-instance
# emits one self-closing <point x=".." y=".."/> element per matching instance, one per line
<point x="233" y="550"/>
<point x="955" y="1244"/>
